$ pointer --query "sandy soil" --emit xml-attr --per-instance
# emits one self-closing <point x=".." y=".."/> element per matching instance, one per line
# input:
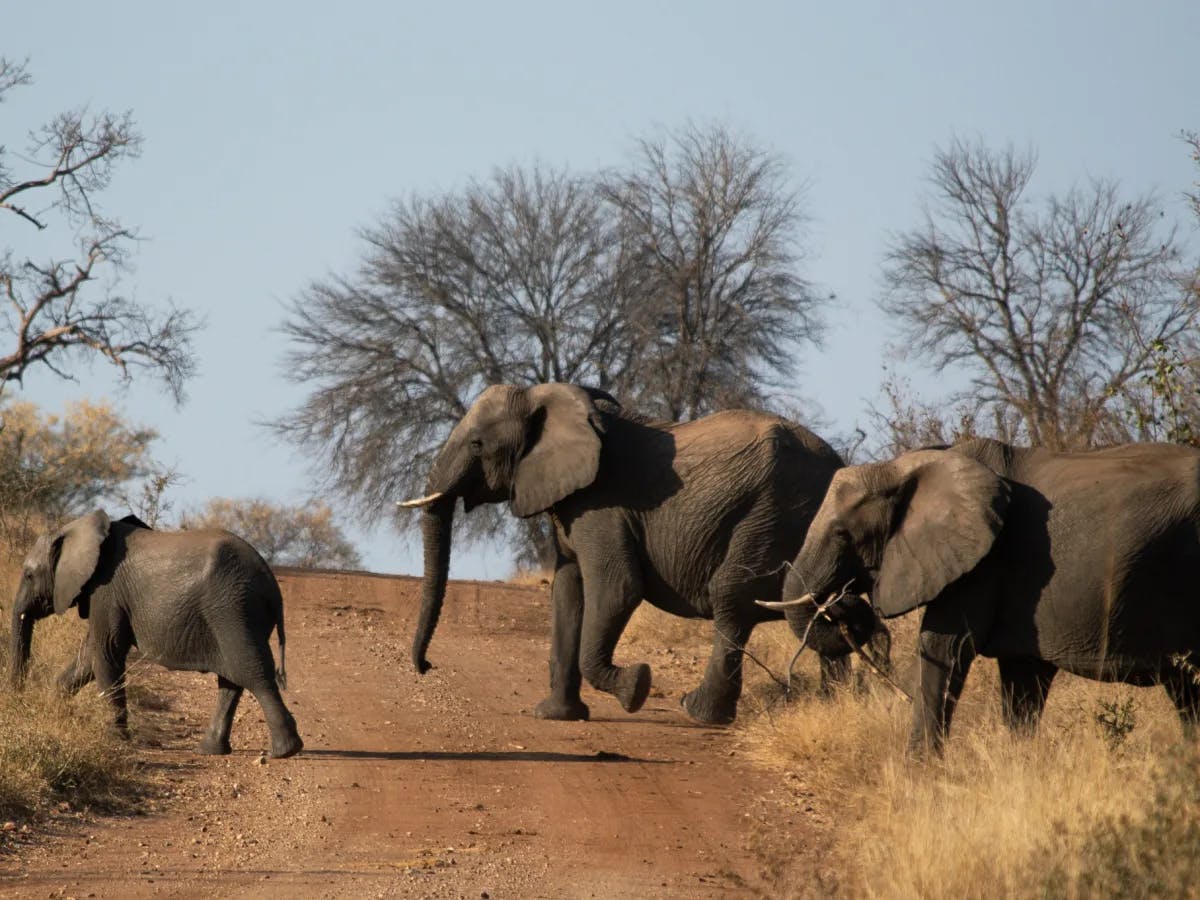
<point x="442" y="786"/>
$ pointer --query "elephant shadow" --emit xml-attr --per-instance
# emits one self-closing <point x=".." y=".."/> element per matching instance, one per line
<point x="547" y="756"/>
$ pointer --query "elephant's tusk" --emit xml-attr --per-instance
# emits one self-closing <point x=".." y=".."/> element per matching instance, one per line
<point x="784" y="604"/>
<point x="421" y="501"/>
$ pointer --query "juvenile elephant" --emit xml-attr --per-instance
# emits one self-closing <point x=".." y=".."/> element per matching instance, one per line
<point x="698" y="518"/>
<point x="195" y="600"/>
<point x="1086" y="562"/>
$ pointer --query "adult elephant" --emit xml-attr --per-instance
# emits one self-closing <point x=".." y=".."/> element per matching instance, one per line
<point x="1086" y="562"/>
<point x="196" y="600"/>
<point x="697" y="518"/>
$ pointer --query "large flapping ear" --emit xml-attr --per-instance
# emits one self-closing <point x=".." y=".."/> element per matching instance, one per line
<point x="78" y="550"/>
<point x="951" y="509"/>
<point x="562" y="448"/>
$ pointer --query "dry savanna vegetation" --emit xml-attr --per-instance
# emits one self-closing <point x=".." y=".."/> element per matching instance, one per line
<point x="1102" y="801"/>
<point x="58" y="751"/>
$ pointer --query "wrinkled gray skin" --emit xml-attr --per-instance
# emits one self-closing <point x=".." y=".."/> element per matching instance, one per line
<point x="697" y="518"/>
<point x="1085" y="562"/>
<point x="196" y="600"/>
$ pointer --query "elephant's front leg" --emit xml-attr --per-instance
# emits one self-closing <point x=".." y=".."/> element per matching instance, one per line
<point x="611" y="594"/>
<point x="564" y="702"/>
<point x="79" y="673"/>
<point x="110" y="643"/>
<point x="1024" y="684"/>
<point x="715" y="701"/>
<point x="946" y="658"/>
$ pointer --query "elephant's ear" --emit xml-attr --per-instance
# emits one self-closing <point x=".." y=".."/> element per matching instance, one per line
<point x="78" y="551"/>
<point x="562" y="447"/>
<point x="950" y="510"/>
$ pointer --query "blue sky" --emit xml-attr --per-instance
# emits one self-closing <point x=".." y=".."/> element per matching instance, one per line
<point x="274" y="130"/>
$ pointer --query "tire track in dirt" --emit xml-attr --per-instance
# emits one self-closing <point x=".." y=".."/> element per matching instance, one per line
<point x="442" y="786"/>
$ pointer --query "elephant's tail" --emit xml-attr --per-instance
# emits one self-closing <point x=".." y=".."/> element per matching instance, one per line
<point x="281" y="672"/>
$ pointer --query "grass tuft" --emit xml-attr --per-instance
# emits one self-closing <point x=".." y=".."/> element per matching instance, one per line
<point x="55" y="748"/>
<point x="999" y="815"/>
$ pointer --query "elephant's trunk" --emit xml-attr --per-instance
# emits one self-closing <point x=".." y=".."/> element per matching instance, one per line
<point x="23" y="617"/>
<point x="436" y="524"/>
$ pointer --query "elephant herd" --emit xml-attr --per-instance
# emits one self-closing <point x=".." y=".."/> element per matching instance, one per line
<point x="1086" y="562"/>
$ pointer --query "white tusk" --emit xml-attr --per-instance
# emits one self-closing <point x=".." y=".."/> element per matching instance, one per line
<point x="421" y="501"/>
<point x="784" y="604"/>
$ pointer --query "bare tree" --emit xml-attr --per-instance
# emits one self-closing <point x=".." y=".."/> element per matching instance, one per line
<point x="62" y="307"/>
<point x="512" y="280"/>
<point x="712" y="221"/>
<point x="285" y="535"/>
<point x="1053" y="312"/>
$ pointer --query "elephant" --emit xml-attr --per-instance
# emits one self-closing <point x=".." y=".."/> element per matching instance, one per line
<point x="199" y="600"/>
<point x="699" y="519"/>
<point x="1081" y="561"/>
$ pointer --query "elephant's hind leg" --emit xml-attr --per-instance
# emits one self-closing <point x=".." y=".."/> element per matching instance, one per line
<point x="1024" y="684"/>
<point x="610" y="597"/>
<point x="285" y="739"/>
<point x="715" y="701"/>
<point x="216" y="741"/>
<point x="249" y="664"/>
<point x="1184" y="692"/>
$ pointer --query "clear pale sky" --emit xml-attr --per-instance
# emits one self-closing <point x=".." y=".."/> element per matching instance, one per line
<point x="273" y="130"/>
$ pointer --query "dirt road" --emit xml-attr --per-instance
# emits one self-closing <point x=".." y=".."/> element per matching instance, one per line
<point x="442" y="786"/>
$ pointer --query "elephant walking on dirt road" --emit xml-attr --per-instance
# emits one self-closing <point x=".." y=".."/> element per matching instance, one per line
<point x="698" y="518"/>
<point x="199" y="600"/>
<point x="1086" y="562"/>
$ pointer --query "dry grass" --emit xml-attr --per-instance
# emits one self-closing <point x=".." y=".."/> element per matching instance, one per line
<point x="56" y="749"/>
<point x="998" y="816"/>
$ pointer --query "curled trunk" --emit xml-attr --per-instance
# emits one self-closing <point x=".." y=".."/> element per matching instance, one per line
<point x="436" y="524"/>
<point x="22" y="637"/>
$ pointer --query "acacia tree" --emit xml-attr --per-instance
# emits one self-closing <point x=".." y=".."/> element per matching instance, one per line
<point x="1053" y="311"/>
<point x="59" y="464"/>
<point x="69" y="305"/>
<point x="712" y="221"/>
<point x="304" y="535"/>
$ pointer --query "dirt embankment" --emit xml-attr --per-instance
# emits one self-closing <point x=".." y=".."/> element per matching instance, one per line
<point x="442" y="786"/>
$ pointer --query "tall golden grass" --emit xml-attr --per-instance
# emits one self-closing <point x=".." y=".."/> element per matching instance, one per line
<point x="1069" y="812"/>
<point x="56" y="749"/>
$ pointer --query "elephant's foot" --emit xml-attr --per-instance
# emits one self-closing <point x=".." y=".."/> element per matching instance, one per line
<point x="289" y="745"/>
<point x="704" y="709"/>
<point x="214" y="746"/>
<point x="633" y="687"/>
<point x="562" y="710"/>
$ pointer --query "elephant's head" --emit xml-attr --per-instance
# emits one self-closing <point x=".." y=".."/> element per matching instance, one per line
<point x="530" y="446"/>
<point x="899" y="532"/>
<point x="53" y="577"/>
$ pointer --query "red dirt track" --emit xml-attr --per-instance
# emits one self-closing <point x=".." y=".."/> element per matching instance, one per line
<point x="442" y="786"/>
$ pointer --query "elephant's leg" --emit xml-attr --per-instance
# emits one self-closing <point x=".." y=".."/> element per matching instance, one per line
<point x="945" y="660"/>
<point x="1024" y="684"/>
<point x="108" y="664"/>
<point x="611" y="594"/>
<point x="1181" y="686"/>
<point x="564" y="702"/>
<point x="216" y="740"/>
<point x="285" y="739"/>
<point x="255" y="671"/>
<point x="835" y="672"/>
<point x="79" y="673"/>
<point x="715" y="701"/>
